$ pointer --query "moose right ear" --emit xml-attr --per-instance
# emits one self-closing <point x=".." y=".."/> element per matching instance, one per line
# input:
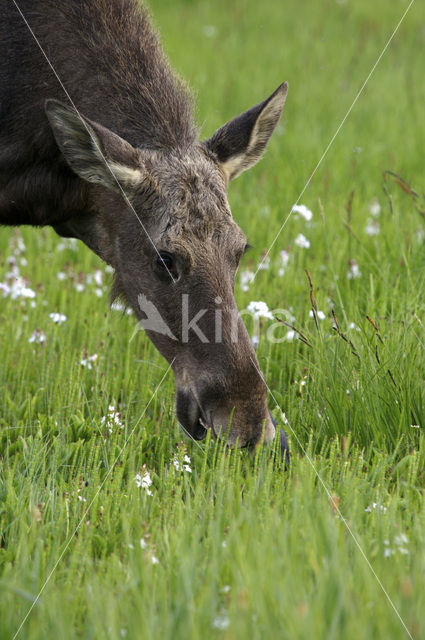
<point x="240" y="143"/>
<point x="93" y="152"/>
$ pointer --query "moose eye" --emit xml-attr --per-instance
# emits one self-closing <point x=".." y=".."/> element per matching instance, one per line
<point x="166" y="267"/>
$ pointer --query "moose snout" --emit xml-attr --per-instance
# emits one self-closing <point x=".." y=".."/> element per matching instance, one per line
<point x="242" y="426"/>
<point x="245" y="423"/>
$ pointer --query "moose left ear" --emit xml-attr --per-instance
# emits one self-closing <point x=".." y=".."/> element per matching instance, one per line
<point x="241" y="142"/>
<point x="93" y="152"/>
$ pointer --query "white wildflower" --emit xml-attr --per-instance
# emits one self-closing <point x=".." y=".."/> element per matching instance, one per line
<point x="319" y="314"/>
<point x="58" y="318"/>
<point x="303" y="211"/>
<point x="415" y="426"/>
<point x="372" y="227"/>
<point x="13" y="273"/>
<point x="112" y="419"/>
<point x="144" y="546"/>
<point x="79" y="287"/>
<point x="284" y="257"/>
<point x="388" y="551"/>
<point x="118" y="306"/>
<point x="144" y="481"/>
<point x="259" y="309"/>
<point x="61" y="275"/>
<point x="353" y="326"/>
<point x="354" y="271"/>
<point x="400" y="539"/>
<point x="15" y="285"/>
<point x="182" y="467"/>
<point x="246" y="277"/>
<point x="19" y="289"/>
<point x="38" y="337"/>
<point x="221" y="621"/>
<point x="264" y="263"/>
<point x="88" y="361"/>
<point x="98" y="277"/>
<point x="377" y="507"/>
<point x="302" y="242"/>
<point x="19" y="245"/>
<point x="5" y="289"/>
<point x="375" y="208"/>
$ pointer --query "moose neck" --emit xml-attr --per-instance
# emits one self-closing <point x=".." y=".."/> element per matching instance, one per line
<point x="107" y="57"/>
<point x="111" y="64"/>
<point x="127" y="84"/>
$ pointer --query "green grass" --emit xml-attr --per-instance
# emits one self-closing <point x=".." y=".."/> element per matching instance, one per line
<point x="243" y="549"/>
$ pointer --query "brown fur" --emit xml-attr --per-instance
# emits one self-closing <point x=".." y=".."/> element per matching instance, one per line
<point x="122" y="169"/>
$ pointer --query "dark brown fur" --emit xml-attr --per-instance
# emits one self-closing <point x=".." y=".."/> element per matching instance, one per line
<point x="122" y="169"/>
<point x="109" y="59"/>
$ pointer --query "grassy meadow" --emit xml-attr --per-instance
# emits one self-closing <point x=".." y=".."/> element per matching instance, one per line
<point x="129" y="529"/>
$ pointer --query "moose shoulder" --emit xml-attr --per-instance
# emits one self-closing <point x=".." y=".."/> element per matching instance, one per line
<point x="97" y="140"/>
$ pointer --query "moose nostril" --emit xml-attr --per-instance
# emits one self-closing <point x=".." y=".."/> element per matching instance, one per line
<point x="189" y="414"/>
<point x="209" y="418"/>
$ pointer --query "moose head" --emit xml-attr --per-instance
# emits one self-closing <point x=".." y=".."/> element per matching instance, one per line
<point x="161" y="218"/>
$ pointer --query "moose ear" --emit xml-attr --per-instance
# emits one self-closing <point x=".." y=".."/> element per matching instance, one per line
<point x="242" y="141"/>
<point x="95" y="153"/>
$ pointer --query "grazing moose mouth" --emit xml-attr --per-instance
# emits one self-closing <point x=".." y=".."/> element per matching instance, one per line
<point x="196" y="421"/>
